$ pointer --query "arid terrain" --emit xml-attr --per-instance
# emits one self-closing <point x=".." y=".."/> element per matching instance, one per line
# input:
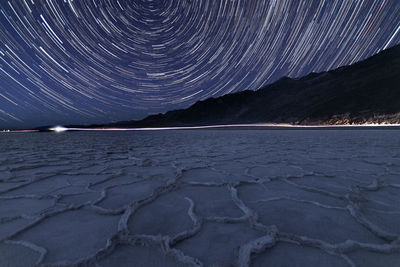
<point x="201" y="198"/>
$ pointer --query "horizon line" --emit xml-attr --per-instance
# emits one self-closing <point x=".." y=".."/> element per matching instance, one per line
<point x="271" y="125"/>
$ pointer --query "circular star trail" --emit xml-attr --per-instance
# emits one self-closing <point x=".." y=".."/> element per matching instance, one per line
<point x="106" y="60"/>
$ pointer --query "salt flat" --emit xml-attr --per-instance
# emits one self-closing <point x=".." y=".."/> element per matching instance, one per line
<point x="201" y="198"/>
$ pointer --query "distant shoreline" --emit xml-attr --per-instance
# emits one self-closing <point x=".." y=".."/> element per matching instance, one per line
<point x="19" y="131"/>
<point x="255" y="126"/>
<point x="250" y="126"/>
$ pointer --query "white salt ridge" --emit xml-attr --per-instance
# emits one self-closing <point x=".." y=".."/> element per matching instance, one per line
<point x="201" y="198"/>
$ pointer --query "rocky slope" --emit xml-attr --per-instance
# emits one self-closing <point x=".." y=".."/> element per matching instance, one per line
<point x="365" y="92"/>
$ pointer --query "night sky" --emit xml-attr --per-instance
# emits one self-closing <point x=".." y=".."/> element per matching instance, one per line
<point x="88" y="61"/>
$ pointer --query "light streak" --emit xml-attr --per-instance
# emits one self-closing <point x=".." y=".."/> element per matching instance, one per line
<point x="255" y="125"/>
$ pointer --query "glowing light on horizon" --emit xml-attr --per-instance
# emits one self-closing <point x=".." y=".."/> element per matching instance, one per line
<point x="59" y="129"/>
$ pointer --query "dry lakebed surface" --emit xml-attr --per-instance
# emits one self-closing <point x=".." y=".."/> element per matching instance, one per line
<point x="201" y="198"/>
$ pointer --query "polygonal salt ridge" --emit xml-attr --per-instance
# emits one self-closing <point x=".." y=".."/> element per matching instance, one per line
<point x="69" y="190"/>
<point x="162" y="172"/>
<point x="355" y="208"/>
<point x="317" y="232"/>
<point x="163" y="242"/>
<point x="256" y="246"/>
<point x="356" y="199"/>
<point x="385" y="220"/>
<point x="40" y="172"/>
<point x="42" y="217"/>
<point x="28" y="207"/>
<point x="227" y="183"/>
<point x="175" y="211"/>
<point x="12" y="185"/>
<point x="116" y="180"/>
<point x="280" y="189"/>
<point x="121" y="196"/>
<point x="386" y="198"/>
<point x="178" y="169"/>
<point x="192" y="163"/>
<point x="370" y="258"/>
<point x="112" y="179"/>
<point x="11" y="226"/>
<point x="27" y="253"/>
<point x="82" y="198"/>
<point x="16" y="186"/>
<point x="343" y="247"/>
<point x="355" y="195"/>
<point x="393" y="185"/>
<point x="256" y="173"/>
<point x="315" y="203"/>
<point x="216" y="243"/>
<point x="376" y="184"/>
<point x="55" y="256"/>
<point x="131" y="208"/>
<point x="89" y="260"/>
<point x="166" y="241"/>
<point x="139" y="255"/>
<point x="278" y="170"/>
<point x="25" y="188"/>
<point x="288" y="253"/>
<point x="88" y="169"/>
<point x="336" y="185"/>
<point x="7" y="174"/>
<point x="202" y="175"/>
<point x="212" y="202"/>
<point x="316" y="190"/>
<point x="142" y="162"/>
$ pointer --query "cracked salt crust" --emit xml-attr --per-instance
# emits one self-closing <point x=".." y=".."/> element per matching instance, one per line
<point x="201" y="198"/>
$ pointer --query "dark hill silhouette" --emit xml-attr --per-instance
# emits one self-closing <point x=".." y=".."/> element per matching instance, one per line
<point x="367" y="91"/>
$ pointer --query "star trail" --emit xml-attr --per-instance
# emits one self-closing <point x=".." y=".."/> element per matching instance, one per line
<point x="88" y="61"/>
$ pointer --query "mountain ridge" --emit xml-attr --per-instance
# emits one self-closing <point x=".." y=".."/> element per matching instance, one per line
<point x="364" y="92"/>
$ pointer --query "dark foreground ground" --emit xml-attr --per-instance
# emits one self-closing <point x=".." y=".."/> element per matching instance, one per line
<point x="193" y="198"/>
